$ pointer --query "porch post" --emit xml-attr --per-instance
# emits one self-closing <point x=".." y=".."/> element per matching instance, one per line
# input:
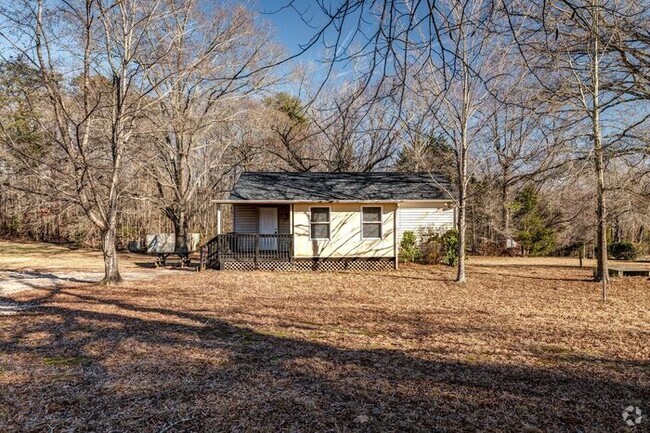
<point x="291" y="240"/>
<point x="219" y="218"/>
<point x="256" y="259"/>
<point x="395" y="246"/>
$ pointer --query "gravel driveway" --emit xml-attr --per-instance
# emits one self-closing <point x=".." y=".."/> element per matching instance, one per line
<point x="17" y="281"/>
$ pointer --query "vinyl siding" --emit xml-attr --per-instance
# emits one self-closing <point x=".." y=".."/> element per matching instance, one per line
<point x="420" y="216"/>
<point x="345" y="232"/>
<point x="246" y="218"/>
<point x="284" y="219"/>
<point x="345" y="228"/>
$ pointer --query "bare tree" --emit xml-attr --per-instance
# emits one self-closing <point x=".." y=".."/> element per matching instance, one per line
<point x="87" y="57"/>
<point x="356" y="129"/>
<point x="293" y="133"/>
<point x="461" y="70"/>
<point x="215" y="58"/>
<point x="527" y="140"/>
<point x="571" y="48"/>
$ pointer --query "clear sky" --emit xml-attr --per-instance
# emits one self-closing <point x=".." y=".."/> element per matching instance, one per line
<point x="294" y="27"/>
<point x="297" y="23"/>
<point x="291" y="30"/>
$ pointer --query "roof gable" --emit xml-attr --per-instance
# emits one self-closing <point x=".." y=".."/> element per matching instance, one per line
<point x="313" y="186"/>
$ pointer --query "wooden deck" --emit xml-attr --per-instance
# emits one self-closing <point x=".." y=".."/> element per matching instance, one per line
<point x="244" y="251"/>
<point x="247" y="248"/>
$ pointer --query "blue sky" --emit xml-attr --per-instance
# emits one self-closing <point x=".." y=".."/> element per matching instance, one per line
<point x="295" y="26"/>
<point x="290" y="29"/>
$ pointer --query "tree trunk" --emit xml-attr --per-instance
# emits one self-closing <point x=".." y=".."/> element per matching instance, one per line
<point x="180" y="233"/>
<point x="462" y="172"/>
<point x="602" y="272"/>
<point x="505" y="211"/>
<point x="111" y="269"/>
<point x="601" y="215"/>
<point x="462" y="205"/>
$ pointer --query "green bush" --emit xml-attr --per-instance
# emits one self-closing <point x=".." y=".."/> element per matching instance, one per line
<point x="450" y="247"/>
<point x="622" y="250"/>
<point x="79" y="237"/>
<point x="409" y="251"/>
<point x="433" y="248"/>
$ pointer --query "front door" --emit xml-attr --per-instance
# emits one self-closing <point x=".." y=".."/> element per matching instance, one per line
<point x="268" y="225"/>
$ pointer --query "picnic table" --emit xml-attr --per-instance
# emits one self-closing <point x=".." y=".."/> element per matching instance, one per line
<point x="164" y="246"/>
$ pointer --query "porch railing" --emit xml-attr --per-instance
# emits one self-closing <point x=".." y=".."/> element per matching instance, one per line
<point x="246" y="247"/>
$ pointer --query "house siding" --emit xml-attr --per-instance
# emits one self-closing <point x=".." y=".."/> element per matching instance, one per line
<point x="345" y="232"/>
<point x="246" y="218"/>
<point x="345" y="226"/>
<point x="416" y="217"/>
<point x="284" y="219"/>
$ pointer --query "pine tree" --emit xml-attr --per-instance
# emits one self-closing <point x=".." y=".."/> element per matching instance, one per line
<point x="534" y="222"/>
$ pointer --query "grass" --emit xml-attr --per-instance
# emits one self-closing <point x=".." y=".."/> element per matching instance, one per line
<point x="65" y="361"/>
<point x="524" y="346"/>
<point x="51" y="257"/>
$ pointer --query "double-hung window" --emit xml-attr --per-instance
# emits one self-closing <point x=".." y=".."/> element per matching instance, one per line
<point x="371" y="222"/>
<point x="319" y="223"/>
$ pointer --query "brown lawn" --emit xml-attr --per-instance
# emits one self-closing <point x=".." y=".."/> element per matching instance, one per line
<point x="39" y="256"/>
<point x="524" y="345"/>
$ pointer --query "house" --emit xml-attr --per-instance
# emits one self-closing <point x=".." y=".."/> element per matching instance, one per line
<point x="327" y="221"/>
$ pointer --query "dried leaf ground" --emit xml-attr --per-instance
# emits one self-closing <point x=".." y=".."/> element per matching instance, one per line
<point x="522" y="346"/>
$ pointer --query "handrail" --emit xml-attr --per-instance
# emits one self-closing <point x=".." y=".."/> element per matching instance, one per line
<point x="251" y="247"/>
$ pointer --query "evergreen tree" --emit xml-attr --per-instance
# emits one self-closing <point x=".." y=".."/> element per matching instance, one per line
<point x="535" y="223"/>
<point x="433" y="153"/>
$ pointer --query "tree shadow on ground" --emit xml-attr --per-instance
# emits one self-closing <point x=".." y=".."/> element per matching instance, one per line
<point x="37" y="275"/>
<point x="507" y="264"/>
<point x="121" y="366"/>
<point x="531" y="277"/>
<point x="430" y="276"/>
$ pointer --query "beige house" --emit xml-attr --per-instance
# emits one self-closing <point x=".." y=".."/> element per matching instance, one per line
<point x="330" y="221"/>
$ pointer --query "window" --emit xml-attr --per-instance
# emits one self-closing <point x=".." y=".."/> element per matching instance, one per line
<point x="320" y="223"/>
<point x="371" y="222"/>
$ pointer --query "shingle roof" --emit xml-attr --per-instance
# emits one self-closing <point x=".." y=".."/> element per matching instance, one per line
<point x="341" y="186"/>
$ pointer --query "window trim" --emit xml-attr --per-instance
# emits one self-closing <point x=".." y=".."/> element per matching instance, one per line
<point x="329" y="223"/>
<point x="381" y="222"/>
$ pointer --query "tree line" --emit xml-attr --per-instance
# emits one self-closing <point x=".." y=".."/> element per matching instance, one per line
<point x="120" y="118"/>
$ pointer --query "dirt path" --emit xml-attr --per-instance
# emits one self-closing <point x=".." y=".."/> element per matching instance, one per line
<point x="17" y="281"/>
<point x="33" y="265"/>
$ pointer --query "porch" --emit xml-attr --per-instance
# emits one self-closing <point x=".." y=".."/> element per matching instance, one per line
<point x="252" y="248"/>
<point x="247" y="252"/>
<point x="260" y="233"/>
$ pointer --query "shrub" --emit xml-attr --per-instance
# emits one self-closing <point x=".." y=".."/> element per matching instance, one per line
<point x="439" y="248"/>
<point x="449" y="251"/>
<point x="488" y="247"/>
<point x="80" y="238"/>
<point x="622" y="250"/>
<point x="431" y="247"/>
<point x="409" y="251"/>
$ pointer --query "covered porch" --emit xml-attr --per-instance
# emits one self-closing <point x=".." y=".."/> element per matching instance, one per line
<point x="260" y="233"/>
